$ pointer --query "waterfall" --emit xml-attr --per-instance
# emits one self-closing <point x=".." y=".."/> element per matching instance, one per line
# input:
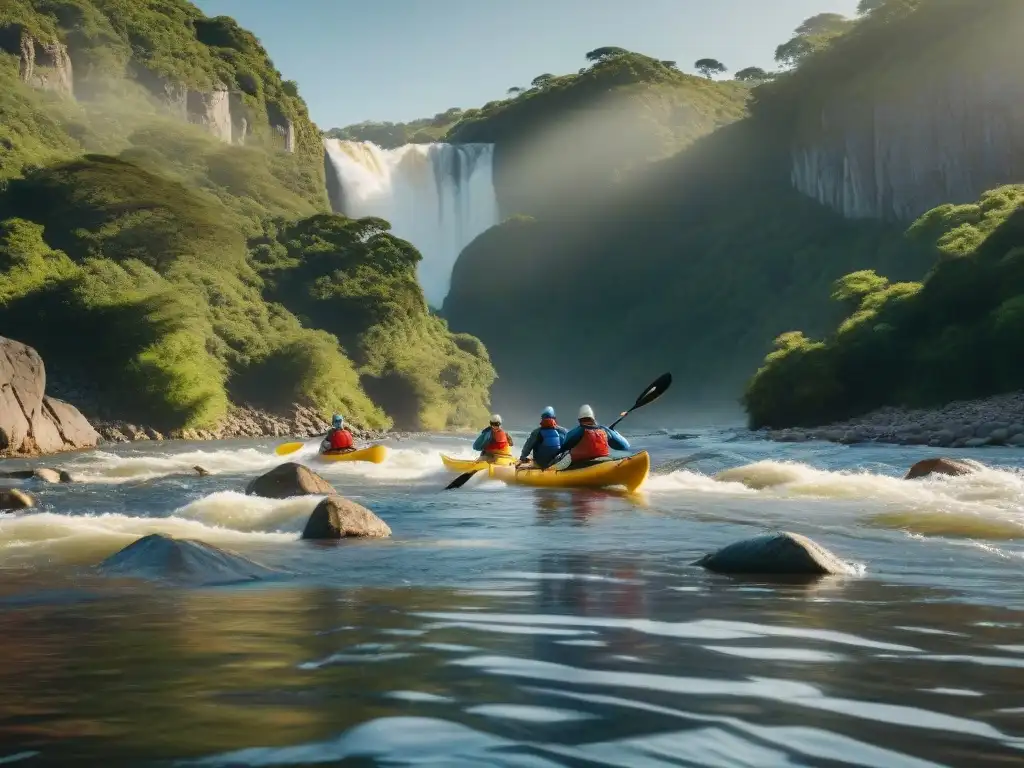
<point x="437" y="196"/>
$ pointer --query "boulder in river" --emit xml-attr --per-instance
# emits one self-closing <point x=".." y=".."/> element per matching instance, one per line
<point x="776" y="554"/>
<point x="287" y="480"/>
<point x="12" y="498"/>
<point x="182" y="561"/>
<point x="43" y="474"/>
<point x="337" y="518"/>
<point x="31" y="422"/>
<point x="939" y="466"/>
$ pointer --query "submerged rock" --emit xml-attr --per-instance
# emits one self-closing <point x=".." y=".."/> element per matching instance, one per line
<point x="12" y="498"/>
<point x="168" y="559"/>
<point x="289" y="479"/>
<point x="775" y="554"/>
<point x="939" y="466"/>
<point x="337" y="518"/>
<point x="202" y="472"/>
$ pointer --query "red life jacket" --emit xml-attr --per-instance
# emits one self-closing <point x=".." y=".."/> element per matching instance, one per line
<point x="593" y="445"/>
<point x="340" y="439"/>
<point x="498" y="443"/>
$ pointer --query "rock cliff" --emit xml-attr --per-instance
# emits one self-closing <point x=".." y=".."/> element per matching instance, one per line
<point x="30" y="422"/>
<point x="41" y="64"/>
<point x="927" y="109"/>
<point x="45" y="62"/>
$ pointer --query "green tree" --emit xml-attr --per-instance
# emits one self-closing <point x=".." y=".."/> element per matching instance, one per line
<point x="541" y="80"/>
<point x="709" y="67"/>
<point x="754" y="75"/>
<point x="793" y="51"/>
<point x="515" y="90"/>
<point x="864" y="7"/>
<point x="824" y="24"/>
<point x="670" y="64"/>
<point x="599" y="54"/>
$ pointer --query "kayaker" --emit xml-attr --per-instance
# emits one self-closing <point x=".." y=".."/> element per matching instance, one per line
<point x="546" y="441"/>
<point x="493" y="441"/>
<point x="339" y="439"/>
<point x="591" y="441"/>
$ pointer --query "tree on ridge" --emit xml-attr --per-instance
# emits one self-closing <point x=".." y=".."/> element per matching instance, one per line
<point x="709" y="67"/>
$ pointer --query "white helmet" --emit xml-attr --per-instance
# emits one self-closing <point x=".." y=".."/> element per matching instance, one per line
<point x="495" y="418"/>
<point x="586" y="412"/>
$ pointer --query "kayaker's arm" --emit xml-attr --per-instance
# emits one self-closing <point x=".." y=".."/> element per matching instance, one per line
<point x="482" y="439"/>
<point x="616" y="441"/>
<point x="528" y="446"/>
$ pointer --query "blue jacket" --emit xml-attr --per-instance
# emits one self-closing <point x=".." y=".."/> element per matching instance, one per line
<point x="544" y="450"/>
<point x="615" y="440"/>
<point x="485" y="437"/>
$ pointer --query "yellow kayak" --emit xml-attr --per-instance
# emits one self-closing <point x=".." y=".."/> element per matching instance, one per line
<point x="375" y="454"/>
<point x="630" y="472"/>
<point x="473" y="465"/>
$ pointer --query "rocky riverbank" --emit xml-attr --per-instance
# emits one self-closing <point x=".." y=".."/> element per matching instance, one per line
<point x="995" y="420"/>
<point x="298" y="421"/>
<point x="241" y="422"/>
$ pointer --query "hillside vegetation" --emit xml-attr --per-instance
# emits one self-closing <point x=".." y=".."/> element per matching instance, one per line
<point x="195" y="268"/>
<point x="956" y="335"/>
<point x="567" y="141"/>
<point x="692" y="263"/>
<point x="387" y="135"/>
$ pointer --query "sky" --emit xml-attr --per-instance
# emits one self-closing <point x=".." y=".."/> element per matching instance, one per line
<point x="398" y="60"/>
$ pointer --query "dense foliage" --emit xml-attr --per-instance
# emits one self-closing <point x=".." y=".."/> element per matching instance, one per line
<point x="956" y="335"/>
<point x="169" y="269"/>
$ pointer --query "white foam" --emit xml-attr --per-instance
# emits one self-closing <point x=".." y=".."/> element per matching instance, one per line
<point x="987" y="503"/>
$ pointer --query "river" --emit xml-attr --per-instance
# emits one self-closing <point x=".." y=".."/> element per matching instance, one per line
<point x="508" y="626"/>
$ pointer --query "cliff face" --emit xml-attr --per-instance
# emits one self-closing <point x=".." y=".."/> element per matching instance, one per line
<point x="946" y="140"/>
<point x="216" y="75"/>
<point x="929" y="109"/>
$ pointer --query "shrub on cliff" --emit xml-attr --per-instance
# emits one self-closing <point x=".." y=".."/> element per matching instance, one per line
<point x="955" y="335"/>
<point x="357" y="281"/>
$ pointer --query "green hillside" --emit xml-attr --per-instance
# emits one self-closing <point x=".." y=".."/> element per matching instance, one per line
<point x="123" y="224"/>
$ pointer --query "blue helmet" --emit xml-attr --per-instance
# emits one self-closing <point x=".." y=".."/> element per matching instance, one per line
<point x="548" y="413"/>
<point x="337" y="421"/>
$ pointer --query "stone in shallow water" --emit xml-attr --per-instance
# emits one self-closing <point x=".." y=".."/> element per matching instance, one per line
<point x="188" y="561"/>
<point x="337" y="518"/>
<point x="12" y="498"/>
<point x="289" y="479"/>
<point x="776" y="554"/>
<point x="939" y="466"/>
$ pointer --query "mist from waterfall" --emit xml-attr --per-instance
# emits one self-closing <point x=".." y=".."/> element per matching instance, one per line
<point x="437" y="196"/>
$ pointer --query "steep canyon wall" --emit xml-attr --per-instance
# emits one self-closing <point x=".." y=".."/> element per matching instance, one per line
<point x="925" y="122"/>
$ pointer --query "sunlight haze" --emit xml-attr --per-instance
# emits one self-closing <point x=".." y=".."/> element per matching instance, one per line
<point x="399" y="60"/>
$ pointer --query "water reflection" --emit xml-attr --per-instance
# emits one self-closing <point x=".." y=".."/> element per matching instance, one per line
<point x="586" y="659"/>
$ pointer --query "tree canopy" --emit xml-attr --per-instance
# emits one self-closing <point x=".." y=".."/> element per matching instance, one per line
<point x="604" y="53"/>
<point x="709" y="67"/>
<point x="753" y="75"/>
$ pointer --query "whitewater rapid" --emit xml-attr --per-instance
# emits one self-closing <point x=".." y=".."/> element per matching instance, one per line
<point x="439" y="197"/>
<point x="121" y="494"/>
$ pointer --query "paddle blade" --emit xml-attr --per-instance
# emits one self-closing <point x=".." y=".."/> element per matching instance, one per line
<point x="285" y="448"/>
<point x="654" y="391"/>
<point x="461" y="480"/>
<point x="562" y="463"/>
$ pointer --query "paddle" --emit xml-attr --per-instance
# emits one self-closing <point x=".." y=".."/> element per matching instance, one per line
<point x="285" y="448"/>
<point x="655" y="390"/>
